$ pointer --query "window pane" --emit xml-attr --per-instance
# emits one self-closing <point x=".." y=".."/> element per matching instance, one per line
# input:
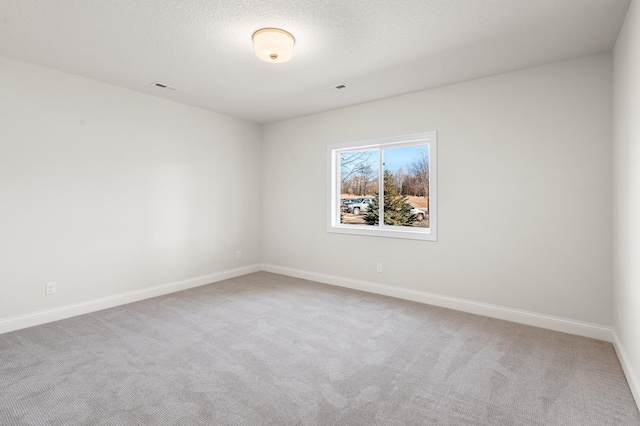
<point x="406" y="186"/>
<point x="359" y="184"/>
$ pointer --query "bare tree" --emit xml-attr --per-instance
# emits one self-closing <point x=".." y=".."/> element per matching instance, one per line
<point x="357" y="169"/>
<point x="365" y="174"/>
<point x="420" y="169"/>
<point x="349" y="161"/>
<point x="399" y="177"/>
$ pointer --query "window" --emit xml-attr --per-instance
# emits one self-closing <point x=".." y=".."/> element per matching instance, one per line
<point x="392" y="178"/>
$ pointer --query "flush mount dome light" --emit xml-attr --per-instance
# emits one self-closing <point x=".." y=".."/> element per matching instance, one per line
<point x="273" y="45"/>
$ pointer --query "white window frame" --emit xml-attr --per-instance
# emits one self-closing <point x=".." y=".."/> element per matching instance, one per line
<point x="334" y="188"/>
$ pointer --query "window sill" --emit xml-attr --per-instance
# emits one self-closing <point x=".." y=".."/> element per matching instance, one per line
<point x="385" y="231"/>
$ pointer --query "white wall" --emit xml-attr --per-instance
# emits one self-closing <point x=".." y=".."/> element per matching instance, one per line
<point x="626" y="130"/>
<point x="107" y="191"/>
<point x="524" y="192"/>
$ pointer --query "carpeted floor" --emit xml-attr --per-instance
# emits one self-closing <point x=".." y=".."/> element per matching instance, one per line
<point x="265" y="349"/>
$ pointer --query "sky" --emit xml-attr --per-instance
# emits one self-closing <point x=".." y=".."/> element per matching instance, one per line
<point x="397" y="158"/>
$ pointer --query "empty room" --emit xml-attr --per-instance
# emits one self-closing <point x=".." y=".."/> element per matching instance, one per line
<point x="320" y="213"/>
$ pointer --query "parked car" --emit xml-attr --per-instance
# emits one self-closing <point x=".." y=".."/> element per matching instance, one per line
<point x="359" y="205"/>
<point x="420" y="214"/>
<point x="344" y="202"/>
<point x="362" y="205"/>
<point x="348" y="201"/>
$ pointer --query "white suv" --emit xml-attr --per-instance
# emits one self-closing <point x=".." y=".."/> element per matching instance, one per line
<point x="360" y="206"/>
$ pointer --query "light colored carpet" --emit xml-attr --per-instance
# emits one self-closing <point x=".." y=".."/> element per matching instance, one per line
<point x="265" y="349"/>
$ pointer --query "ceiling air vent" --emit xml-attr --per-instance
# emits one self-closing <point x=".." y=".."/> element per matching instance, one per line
<point x="336" y="88"/>
<point x="164" y="86"/>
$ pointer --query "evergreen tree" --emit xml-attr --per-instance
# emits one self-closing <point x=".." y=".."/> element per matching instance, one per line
<point x="397" y="211"/>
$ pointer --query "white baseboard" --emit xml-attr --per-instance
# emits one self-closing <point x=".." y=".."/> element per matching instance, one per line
<point x="523" y="317"/>
<point x="41" y="317"/>
<point x="632" y="377"/>
<point x="514" y="315"/>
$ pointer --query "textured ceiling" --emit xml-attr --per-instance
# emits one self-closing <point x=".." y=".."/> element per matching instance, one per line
<point x="376" y="48"/>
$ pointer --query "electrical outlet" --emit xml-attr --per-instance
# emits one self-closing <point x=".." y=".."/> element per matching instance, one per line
<point x="379" y="268"/>
<point x="238" y="254"/>
<point x="50" y="288"/>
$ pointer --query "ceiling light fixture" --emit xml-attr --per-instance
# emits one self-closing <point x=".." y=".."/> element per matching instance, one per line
<point x="273" y="45"/>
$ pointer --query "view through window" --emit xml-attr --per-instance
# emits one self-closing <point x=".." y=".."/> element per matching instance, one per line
<point x="390" y="178"/>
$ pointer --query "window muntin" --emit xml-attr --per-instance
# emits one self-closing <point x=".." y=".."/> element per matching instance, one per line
<point x="393" y="178"/>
